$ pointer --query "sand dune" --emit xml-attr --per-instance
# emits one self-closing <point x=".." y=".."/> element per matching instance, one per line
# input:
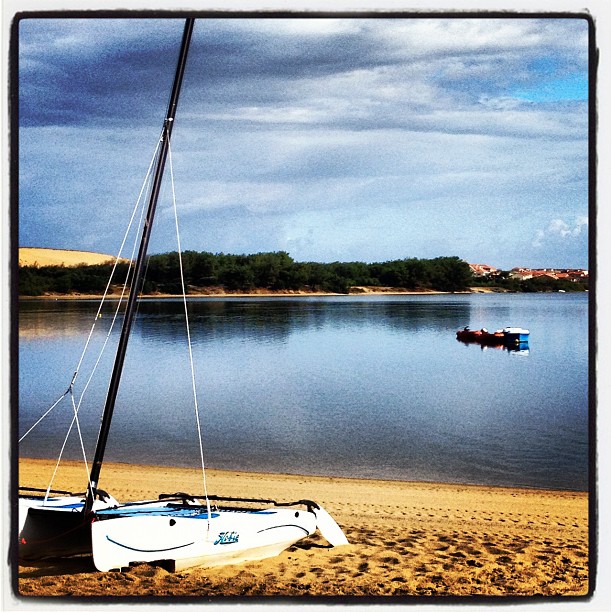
<point x="406" y="539"/>
<point x="57" y="257"/>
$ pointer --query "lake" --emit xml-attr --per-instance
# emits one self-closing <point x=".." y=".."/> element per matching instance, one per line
<point x="358" y="386"/>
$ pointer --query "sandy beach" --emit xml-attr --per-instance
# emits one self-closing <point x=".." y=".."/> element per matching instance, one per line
<point x="406" y="539"/>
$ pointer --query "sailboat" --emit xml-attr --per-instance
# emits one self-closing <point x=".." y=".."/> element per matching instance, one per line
<point x="178" y="530"/>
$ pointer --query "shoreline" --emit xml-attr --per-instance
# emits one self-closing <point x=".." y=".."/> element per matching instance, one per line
<point x="391" y="291"/>
<point x="406" y="539"/>
<point x="74" y="464"/>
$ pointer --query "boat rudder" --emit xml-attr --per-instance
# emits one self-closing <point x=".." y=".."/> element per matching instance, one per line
<point x="328" y="527"/>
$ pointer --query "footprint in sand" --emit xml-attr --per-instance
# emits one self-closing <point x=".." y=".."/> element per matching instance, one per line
<point x="391" y="560"/>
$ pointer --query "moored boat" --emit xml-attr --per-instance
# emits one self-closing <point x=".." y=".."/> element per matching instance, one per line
<point x="509" y="336"/>
<point x="469" y="335"/>
<point x="482" y="336"/>
<point x="516" y="335"/>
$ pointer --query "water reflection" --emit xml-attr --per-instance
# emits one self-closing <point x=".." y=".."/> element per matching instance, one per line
<point x="521" y="348"/>
<point x="264" y="320"/>
<point x="258" y="319"/>
<point x="47" y="319"/>
<point x="364" y="386"/>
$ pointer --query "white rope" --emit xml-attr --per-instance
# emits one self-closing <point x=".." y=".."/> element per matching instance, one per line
<point x="125" y="237"/>
<point x="104" y="296"/>
<point x="75" y="419"/>
<point x="193" y="379"/>
<point x="120" y="300"/>
<point x="44" y="415"/>
<point x="76" y="408"/>
<point x="110" y="279"/>
<point x="108" y="335"/>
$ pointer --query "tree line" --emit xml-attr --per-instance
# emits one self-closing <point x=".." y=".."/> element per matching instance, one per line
<point x="275" y="271"/>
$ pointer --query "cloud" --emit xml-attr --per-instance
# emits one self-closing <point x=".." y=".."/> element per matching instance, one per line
<point x="100" y="70"/>
<point x="558" y="229"/>
<point x="562" y="229"/>
<point x="291" y="126"/>
<point x="94" y="71"/>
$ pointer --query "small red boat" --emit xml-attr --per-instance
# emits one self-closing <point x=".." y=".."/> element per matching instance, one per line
<point x="482" y="336"/>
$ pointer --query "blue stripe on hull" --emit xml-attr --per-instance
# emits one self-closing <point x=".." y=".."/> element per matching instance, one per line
<point x="194" y="513"/>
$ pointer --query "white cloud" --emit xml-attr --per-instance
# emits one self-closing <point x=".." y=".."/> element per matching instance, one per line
<point x="560" y="229"/>
<point x="301" y="27"/>
<point x="325" y="127"/>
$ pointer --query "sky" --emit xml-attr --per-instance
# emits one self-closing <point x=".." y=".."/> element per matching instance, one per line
<point x="347" y="139"/>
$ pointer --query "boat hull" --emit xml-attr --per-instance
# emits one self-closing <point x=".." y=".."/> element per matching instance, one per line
<point x="181" y="538"/>
<point x="55" y="526"/>
<point x="509" y="336"/>
<point x="481" y="337"/>
<point x="516" y="335"/>
<point x="50" y="532"/>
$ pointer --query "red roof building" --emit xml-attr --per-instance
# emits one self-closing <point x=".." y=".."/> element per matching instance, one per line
<point x="482" y="269"/>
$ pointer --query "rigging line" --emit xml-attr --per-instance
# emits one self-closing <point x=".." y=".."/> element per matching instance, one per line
<point x="193" y="379"/>
<point x="74" y="376"/>
<point x="148" y="258"/>
<point x="104" y="344"/>
<point x="117" y="258"/>
<point x="123" y="289"/>
<point x="44" y="415"/>
<point x="106" y="290"/>
<point x="93" y="371"/>
<point x="146" y="270"/>
<point x="77" y="408"/>
<point x="115" y="315"/>
<point x="75" y="419"/>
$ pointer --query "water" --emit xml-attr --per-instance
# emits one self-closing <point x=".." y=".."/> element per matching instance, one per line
<point x="374" y="386"/>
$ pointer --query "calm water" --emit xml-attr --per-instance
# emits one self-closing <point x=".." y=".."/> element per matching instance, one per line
<point x="351" y="386"/>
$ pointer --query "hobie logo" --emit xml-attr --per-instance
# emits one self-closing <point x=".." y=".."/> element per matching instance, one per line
<point x="227" y="537"/>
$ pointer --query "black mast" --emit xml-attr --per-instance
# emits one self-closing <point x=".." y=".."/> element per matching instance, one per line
<point x="138" y="269"/>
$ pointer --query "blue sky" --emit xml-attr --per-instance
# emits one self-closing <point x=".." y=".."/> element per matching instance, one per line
<point x="332" y="139"/>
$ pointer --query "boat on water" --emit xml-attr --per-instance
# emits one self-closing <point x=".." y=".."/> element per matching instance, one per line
<point x="516" y="335"/>
<point x="178" y="530"/>
<point x="481" y="336"/>
<point x="508" y="336"/>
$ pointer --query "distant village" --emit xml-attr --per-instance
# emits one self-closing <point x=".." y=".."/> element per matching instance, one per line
<point x="575" y="275"/>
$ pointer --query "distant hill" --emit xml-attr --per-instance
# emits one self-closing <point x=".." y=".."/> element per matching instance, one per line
<point x="29" y="256"/>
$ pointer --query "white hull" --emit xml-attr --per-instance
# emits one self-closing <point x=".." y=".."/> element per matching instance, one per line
<point x="180" y="534"/>
<point x="187" y="537"/>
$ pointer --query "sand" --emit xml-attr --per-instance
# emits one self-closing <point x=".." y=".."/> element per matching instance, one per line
<point x="406" y="539"/>
<point x="29" y="256"/>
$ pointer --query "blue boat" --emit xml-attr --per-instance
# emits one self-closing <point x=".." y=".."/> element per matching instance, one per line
<point x="516" y="335"/>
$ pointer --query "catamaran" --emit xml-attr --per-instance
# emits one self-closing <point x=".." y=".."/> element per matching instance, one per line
<point x="177" y="529"/>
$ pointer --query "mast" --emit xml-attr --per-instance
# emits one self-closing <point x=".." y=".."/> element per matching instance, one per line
<point x="136" y="283"/>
